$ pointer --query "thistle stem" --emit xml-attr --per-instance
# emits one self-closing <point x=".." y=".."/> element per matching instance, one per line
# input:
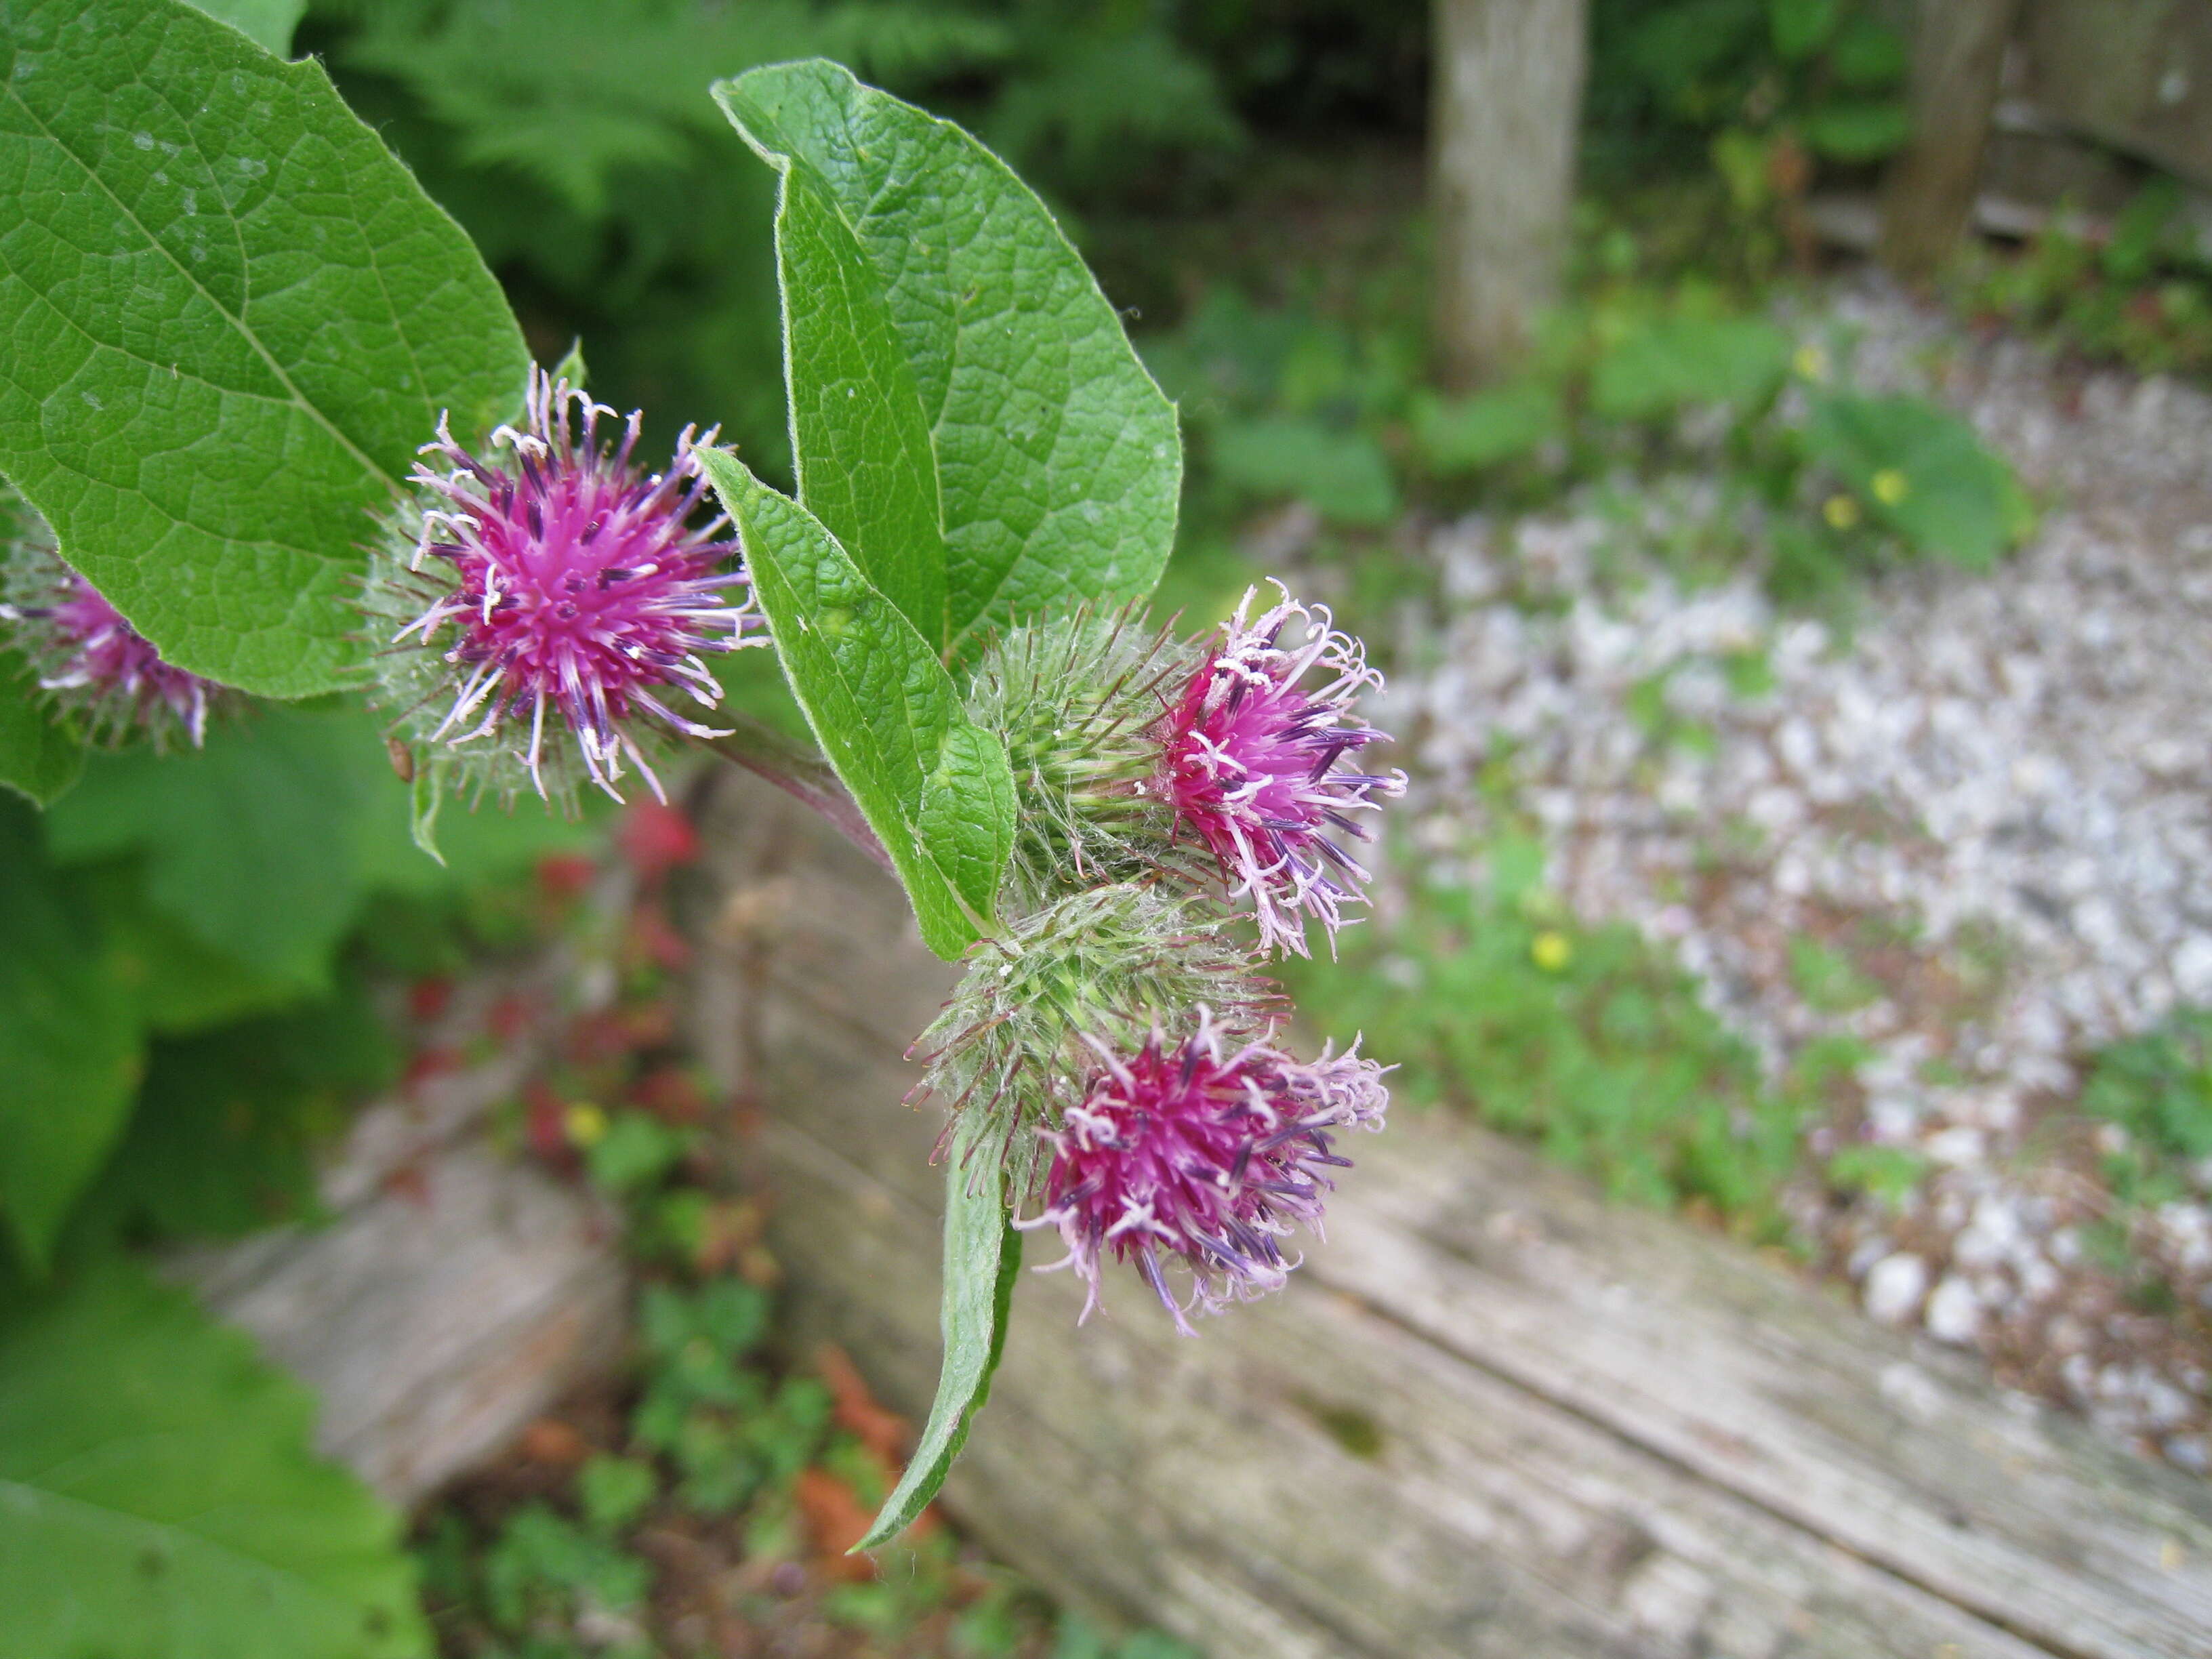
<point x="800" y="773"/>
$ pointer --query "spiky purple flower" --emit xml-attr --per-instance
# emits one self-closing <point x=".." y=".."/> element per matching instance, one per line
<point x="1202" y="1153"/>
<point x="1251" y="765"/>
<point x="577" y="594"/>
<point x="96" y="663"/>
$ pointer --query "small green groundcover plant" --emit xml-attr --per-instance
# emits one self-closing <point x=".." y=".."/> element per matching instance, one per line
<point x="1585" y="1040"/>
<point x="294" y="512"/>
<point x="1633" y="382"/>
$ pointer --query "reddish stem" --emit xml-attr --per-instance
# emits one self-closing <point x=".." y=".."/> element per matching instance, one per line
<point x="800" y="773"/>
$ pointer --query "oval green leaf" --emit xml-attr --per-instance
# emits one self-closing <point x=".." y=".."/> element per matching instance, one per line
<point x="1056" y="459"/>
<point x="227" y="317"/>
<point x="982" y="1255"/>
<point x="934" y="786"/>
<point x="158" y="1495"/>
<point x="69" y="1041"/>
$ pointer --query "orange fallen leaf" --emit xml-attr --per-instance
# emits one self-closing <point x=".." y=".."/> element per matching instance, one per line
<point x="835" y="1521"/>
<point x="549" y="1440"/>
<point x="882" y="1431"/>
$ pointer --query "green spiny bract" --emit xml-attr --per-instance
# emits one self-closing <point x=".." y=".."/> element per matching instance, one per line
<point x="1078" y="699"/>
<point x="1022" y="1034"/>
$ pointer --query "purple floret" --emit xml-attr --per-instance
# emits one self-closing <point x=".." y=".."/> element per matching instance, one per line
<point x="583" y="589"/>
<point x="1203" y="1154"/>
<point x="1264" y="772"/>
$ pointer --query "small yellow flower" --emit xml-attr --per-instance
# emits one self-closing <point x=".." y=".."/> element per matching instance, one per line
<point x="1810" y="360"/>
<point x="1551" y="950"/>
<point x="1891" y="486"/>
<point x="1840" y="511"/>
<point x="585" y="1124"/>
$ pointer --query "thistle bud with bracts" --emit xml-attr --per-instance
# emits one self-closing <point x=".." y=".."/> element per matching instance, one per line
<point x="1125" y="1057"/>
<point x="1079" y="700"/>
<point x="1141" y="756"/>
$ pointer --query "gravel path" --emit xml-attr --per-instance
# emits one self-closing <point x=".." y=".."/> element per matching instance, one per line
<point x="1992" y="798"/>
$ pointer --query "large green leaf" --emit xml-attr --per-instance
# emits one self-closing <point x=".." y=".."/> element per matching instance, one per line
<point x="227" y="1120"/>
<point x="1464" y="435"/>
<point x="227" y="317"/>
<point x="158" y="1497"/>
<point x="39" y="758"/>
<point x="1057" y="460"/>
<point x="181" y="984"/>
<point x="982" y="1255"/>
<point x="262" y="846"/>
<point x="1672" y="362"/>
<point x="69" y="1041"/>
<point x="935" y="787"/>
<point x="1923" y="473"/>
<point x="861" y="446"/>
<point x="253" y="843"/>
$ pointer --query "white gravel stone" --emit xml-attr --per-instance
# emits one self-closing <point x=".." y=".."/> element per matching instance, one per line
<point x="2193" y="967"/>
<point x="2187" y="1451"/>
<point x="1893" y="1288"/>
<point x="1959" y="1146"/>
<point x="1954" y="1311"/>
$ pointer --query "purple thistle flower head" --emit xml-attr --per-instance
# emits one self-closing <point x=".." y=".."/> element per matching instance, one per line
<point x="1254" y="765"/>
<point x="92" y="660"/>
<point x="1204" y="1153"/>
<point x="553" y="602"/>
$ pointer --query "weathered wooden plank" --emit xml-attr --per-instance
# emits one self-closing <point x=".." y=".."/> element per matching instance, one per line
<point x="1730" y="1369"/>
<point x="2134" y="74"/>
<point x="1206" y="1484"/>
<point x="1492" y="1416"/>
<point x="453" y="1295"/>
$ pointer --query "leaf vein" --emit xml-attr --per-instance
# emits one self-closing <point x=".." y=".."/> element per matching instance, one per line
<point x="297" y="399"/>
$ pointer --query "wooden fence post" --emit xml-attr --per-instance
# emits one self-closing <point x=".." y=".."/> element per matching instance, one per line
<point x="1958" y="53"/>
<point x="1504" y="120"/>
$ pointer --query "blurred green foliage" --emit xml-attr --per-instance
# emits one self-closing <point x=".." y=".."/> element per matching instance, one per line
<point x="1706" y="122"/>
<point x="1585" y="1040"/>
<point x="191" y="931"/>
<point x="2142" y="294"/>
<point x="1665" y="78"/>
<point x="1632" y="382"/>
<point x="2157" y="1087"/>
<point x="572" y="139"/>
<point x="1885" y="1173"/>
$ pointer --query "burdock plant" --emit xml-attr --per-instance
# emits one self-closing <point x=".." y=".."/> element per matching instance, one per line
<point x="1264" y="766"/>
<point x="293" y="429"/>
